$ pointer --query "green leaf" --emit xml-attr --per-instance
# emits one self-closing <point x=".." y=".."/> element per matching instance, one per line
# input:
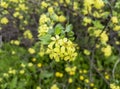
<point x="54" y="17"/>
<point x="13" y="83"/>
<point x="45" y="39"/>
<point x="98" y="25"/>
<point x="99" y="65"/>
<point x="58" y="29"/>
<point x="71" y="33"/>
<point x="69" y="28"/>
<point x="46" y="74"/>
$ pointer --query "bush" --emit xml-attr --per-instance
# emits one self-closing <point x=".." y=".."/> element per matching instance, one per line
<point x="51" y="44"/>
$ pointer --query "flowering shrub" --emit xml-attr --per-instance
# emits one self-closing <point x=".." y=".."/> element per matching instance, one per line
<point x="65" y="44"/>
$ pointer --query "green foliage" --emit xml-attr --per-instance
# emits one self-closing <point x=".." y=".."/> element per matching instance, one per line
<point x="65" y="44"/>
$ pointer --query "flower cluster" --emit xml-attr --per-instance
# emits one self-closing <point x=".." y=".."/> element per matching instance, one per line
<point x="61" y="49"/>
<point x="107" y="50"/>
<point x="71" y="70"/>
<point x="113" y="86"/>
<point x="88" y="5"/>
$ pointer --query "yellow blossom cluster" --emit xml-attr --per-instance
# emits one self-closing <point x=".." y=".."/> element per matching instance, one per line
<point x="70" y="80"/>
<point x="116" y="26"/>
<point x="114" y="19"/>
<point x="43" y="19"/>
<point x="104" y="37"/>
<point x="61" y="49"/>
<point x="86" y="52"/>
<point x="107" y="50"/>
<point x="28" y="34"/>
<point x="89" y="4"/>
<point x="3" y="4"/>
<point x="59" y="74"/>
<point x="43" y="27"/>
<point x="87" y="20"/>
<point x="54" y="86"/>
<point x="11" y="71"/>
<point x="15" y="42"/>
<point x="114" y="86"/>
<point x="4" y="20"/>
<point x="38" y="87"/>
<point x="44" y="4"/>
<point x="71" y="70"/>
<point x="31" y="50"/>
<point x="42" y="50"/>
<point x="62" y="18"/>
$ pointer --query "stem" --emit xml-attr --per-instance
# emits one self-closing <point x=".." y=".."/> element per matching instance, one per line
<point x="115" y="65"/>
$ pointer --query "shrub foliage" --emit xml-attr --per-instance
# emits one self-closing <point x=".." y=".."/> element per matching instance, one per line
<point x="59" y="44"/>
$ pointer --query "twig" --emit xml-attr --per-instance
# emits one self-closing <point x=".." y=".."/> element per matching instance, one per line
<point x="100" y="74"/>
<point x="115" y="65"/>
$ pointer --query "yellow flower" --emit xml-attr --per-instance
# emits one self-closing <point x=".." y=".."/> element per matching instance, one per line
<point x="114" y="19"/>
<point x="43" y="19"/>
<point x="28" y="34"/>
<point x="97" y="14"/>
<point x="22" y="65"/>
<point x="22" y="7"/>
<point x="16" y="14"/>
<point x="86" y="80"/>
<point x="98" y="4"/>
<point x="30" y="64"/>
<point x="16" y="42"/>
<point x="22" y="71"/>
<point x="61" y="49"/>
<point x="107" y="77"/>
<point x="56" y="3"/>
<point x="107" y="50"/>
<point x="6" y="75"/>
<point x="87" y="20"/>
<point x="67" y="69"/>
<point x="39" y="65"/>
<point x="38" y="87"/>
<point x="104" y="37"/>
<point x="50" y="10"/>
<point x="54" y="87"/>
<point x="78" y="88"/>
<point x="67" y="1"/>
<point x="86" y="52"/>
<point x="3" y="4"/>
<point x="88" y="3"/>
<point x="43" y="29"/>
<point x="33" y="59"/>
<point x="81" y="77"/>
<point x="114" y="86"/>
<point x="75" y="6"/>
<point x="14" y="71"/>
<point x="4" y="20"/>
<point x="88" y="6"/>
<point x="116" y="28"/>
<point x="31" y="50"/>
<point x="20" y="17"/>
<point x="13" y="52"/>
<point x="58" y="74"/>
<point x="85" y="71"/>
<point x="62" y="18"/>
<point x="70" y="80"/>
<point x="44" y="4"/>
<point x="97" y="32"/>
<point x="92" y="84"/>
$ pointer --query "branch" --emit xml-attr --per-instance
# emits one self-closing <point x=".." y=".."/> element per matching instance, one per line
<point x="115" y="65"/>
